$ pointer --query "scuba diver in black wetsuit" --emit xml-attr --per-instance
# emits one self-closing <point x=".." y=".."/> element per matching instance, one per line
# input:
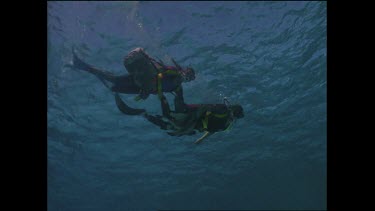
<point x="146" y="76"/>
<point x="189" y="118"/>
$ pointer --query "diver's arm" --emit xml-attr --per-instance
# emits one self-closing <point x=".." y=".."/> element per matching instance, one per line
<point x="160" y="63"/>
<point x="165" y="107"/>
<point x="179" y="104"/>
<point x="207" y="134"/>
<point x="175" y="63"/>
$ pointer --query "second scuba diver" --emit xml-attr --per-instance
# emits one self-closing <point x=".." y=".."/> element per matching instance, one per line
<point x="186" y="119"/>
<point x="148" y="76"/>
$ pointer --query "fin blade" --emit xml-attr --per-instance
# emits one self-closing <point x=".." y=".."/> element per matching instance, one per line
<point x="125" y="108"/>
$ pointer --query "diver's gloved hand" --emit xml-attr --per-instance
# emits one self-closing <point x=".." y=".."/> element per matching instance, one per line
<point x="78" y="63"/>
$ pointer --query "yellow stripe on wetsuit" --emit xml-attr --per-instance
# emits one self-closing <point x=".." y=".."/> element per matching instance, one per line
<point x="208" y="113"/>
<point x="160" y="77"/>
<point x="171" y="72"/>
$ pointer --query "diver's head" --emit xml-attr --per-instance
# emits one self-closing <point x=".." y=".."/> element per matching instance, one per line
<point x="237" y="111"/>
<point x="188" y="74"/>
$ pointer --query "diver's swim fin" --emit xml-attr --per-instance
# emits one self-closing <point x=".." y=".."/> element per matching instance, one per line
<point x="125" y="108"/>
<point x="158" y="120"/>
<point x="78" y="63"/>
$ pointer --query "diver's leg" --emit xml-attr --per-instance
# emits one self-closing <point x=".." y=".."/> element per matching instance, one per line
<point x="103" y="74"/>
<point x="106" y="75"/>
<point x="125" y="84"/>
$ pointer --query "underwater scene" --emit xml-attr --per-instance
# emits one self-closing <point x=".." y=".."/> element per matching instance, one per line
<point x="269" y="57"/>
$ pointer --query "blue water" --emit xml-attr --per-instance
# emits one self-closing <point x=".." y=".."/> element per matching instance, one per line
<point x="268" y="56"/>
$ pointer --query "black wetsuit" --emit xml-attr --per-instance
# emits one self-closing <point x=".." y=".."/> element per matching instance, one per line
<point x="204" y="117"/>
